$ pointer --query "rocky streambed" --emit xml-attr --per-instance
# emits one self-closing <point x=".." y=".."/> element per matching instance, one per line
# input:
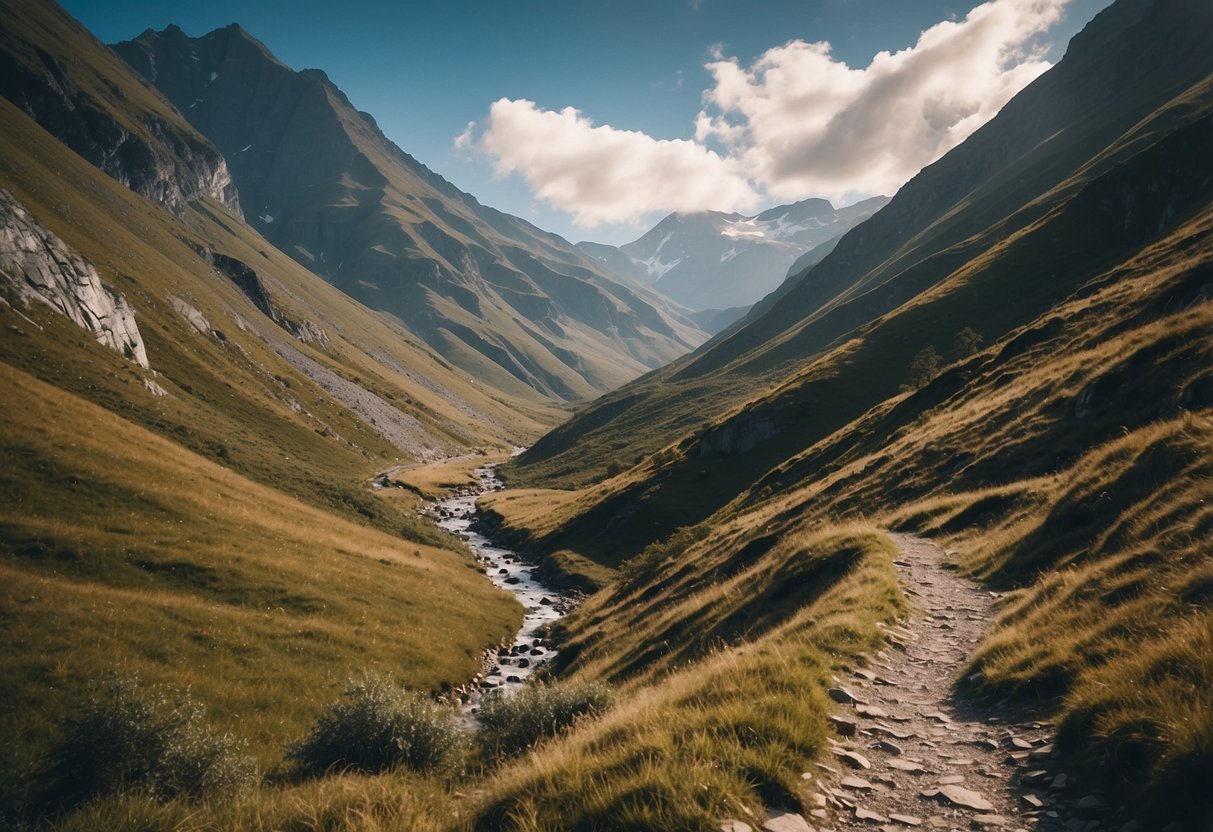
<point x="512" y="663"/>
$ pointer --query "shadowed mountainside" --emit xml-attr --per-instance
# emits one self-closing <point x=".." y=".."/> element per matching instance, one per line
<point x="514" y="306"/>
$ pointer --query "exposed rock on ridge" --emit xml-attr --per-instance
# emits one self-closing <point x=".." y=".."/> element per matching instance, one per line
<point x="249" y="282"/>
<point x="36" y="264"/>
<point x="124" y="137"/>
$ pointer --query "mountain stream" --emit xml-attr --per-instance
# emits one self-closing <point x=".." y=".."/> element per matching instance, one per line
<point x="508" y="668"/>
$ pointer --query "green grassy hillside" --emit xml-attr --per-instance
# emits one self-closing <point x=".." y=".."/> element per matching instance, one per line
<point x="208" y="523"/>
<point x="1070" y="464"/>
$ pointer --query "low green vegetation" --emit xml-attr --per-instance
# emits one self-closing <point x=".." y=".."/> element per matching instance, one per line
<point x="125" y="737"/>
<point x="720" y="721"/>
<point x="123" y="551"/>
<point x="1070" y="465"/>
<point x="377" y="726"/>
<point x="512" y="724"/>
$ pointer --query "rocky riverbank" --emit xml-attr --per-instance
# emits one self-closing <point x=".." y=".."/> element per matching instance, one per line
<point x="510" y="664"/>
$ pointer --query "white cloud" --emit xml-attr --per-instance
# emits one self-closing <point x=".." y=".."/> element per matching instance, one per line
<point x="463" y="142"/>
<point x="805" y="123"/>
<point x="603" y="175"/>
<point x="797" y="122"/>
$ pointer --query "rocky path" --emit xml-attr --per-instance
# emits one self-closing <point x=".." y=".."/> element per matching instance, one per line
<point x="909" y="754"/>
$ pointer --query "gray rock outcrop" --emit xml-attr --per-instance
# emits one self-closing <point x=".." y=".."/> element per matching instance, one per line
<point x="36" y="264"/>
<point x="150" y="151"/>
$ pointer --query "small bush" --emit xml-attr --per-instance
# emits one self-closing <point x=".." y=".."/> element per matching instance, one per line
<point x="125" y="737"/>
<point x="967" y="343"/>
<point x="511" y="724"/>
<point x="924" y="367"/>
<point x="379" y="725"/>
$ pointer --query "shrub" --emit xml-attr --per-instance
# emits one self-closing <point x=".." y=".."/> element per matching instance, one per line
<point x="511" y="724"/>
<point x="379" y="725"/>
<point x="924" y="367"/>
<point x="967" y="342"/>
<point x="125" y="737"/>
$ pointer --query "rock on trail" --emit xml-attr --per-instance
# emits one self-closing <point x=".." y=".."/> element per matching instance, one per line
<point x="914" y="754"/>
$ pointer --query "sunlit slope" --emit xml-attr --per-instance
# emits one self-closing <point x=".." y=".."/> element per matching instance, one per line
<point x="124" y="552"/>
<point x="305" y="416"/>
<point x="1004" y="205"/>
<point x="1070" y="465"/>
<point x="208" y="522"/>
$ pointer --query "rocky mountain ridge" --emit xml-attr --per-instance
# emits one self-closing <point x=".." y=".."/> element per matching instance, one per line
<point x="512" y="305"/>
<point x="98" y="108"/>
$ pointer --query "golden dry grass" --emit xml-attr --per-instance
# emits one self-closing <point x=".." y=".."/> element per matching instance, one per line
<point x="122" y="551"/>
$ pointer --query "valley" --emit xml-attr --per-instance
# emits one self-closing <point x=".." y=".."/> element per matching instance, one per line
<point x="335" y="499"/>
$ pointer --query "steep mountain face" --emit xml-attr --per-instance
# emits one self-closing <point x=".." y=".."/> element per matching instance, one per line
<point x="713" y="260"/>
<point x="973" y="240"/>
<point x="515" y="307"/>
<point x="93" y="103"/>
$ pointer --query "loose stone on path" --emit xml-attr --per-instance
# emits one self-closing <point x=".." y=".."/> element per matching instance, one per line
<point x="959" y="767"/>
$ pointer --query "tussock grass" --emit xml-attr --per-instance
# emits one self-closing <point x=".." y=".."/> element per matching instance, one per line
<point x="512" y="724"/>
<point x="121" y="550"/>
<point x="697" y="735"/>
<point x="1070" y="465"/>
<point x="339" y="803"/>
<point x="126" y="737"/>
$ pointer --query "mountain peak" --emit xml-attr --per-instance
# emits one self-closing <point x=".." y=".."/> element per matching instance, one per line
<point x="721" y="260"/>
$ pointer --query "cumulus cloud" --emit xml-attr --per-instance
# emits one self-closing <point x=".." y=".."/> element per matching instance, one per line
<point x="600" y="174"/>
<point x="803" y="122"/>
<point x="796" y="122"/>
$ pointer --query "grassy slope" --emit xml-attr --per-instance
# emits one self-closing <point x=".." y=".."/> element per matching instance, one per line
<point x="1071" y="463"/>
<point x="227" y="541"/>
<point x="1140" y="69"/>
<point x="124" y="551"/>
<point x="1073" y="467"/>
<point x="724" y="735"/>
<point x="238" y="400"/>
<point x="1108" y="218"/>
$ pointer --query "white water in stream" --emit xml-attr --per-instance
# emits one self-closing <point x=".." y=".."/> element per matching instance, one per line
<point x="529" y="651"/>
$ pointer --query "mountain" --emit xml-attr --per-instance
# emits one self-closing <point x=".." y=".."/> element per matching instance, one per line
<point x="124" y="129"/>
<point x="964" y="243"/>
<point x="713" y="260"/>
<point x="515" y="307"/>
<point x="192" y="421"/>
<point x="1012" y="357"/>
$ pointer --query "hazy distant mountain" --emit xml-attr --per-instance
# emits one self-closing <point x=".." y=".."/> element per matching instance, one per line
<point x="510" y="304"/>
<point x="713" y="260"/>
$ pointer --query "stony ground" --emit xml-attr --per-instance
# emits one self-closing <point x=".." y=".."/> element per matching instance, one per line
<point x="909" y="754"/>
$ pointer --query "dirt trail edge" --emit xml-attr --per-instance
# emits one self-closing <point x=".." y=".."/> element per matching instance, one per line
<point x="907" y="752"/>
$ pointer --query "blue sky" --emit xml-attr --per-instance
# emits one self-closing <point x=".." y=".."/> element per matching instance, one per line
<point x="427" y="71"/>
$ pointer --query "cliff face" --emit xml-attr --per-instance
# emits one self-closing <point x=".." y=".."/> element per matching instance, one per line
<point x="93" y="103"/>
<point x="36" y="265"/>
